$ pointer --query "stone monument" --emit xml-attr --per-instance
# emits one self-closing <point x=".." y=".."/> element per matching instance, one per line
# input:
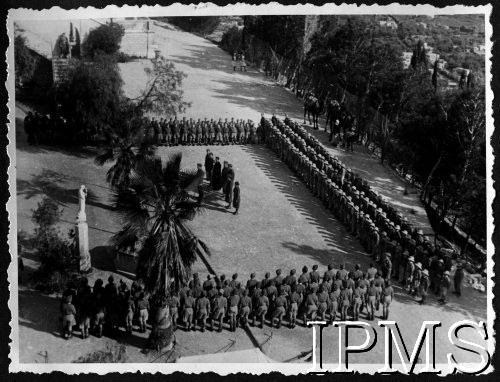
<point x="83" y="232"/>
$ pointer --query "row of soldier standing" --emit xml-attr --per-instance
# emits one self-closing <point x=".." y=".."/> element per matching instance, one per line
<point x="336" y="293"/>
<point x="202" y="132"/>
<point x="382" y="230"/>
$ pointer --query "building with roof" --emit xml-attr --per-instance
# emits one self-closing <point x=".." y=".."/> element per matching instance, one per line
<point x="480" y="49"/>
<point x="388" y="24"/>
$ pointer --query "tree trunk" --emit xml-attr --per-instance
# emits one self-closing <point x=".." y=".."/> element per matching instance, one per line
<point x="427" y="182"/>
<point x="167" y="278"/>
<point x="442" y="217"/>
<point x="464" y="248"/>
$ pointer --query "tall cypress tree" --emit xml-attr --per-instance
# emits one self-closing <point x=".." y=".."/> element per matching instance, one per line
<point x="470" y="81"/>
<point x="435" y="75"/>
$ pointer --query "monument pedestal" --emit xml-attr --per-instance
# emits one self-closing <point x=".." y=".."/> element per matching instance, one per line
<point x="83" y="243"/>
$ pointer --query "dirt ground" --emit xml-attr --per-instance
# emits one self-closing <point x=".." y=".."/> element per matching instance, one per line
<point x="280" y="224"/>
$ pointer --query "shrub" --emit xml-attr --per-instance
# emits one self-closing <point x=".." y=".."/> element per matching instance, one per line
<point x="103" y="39"/>
<point x="124" y="57"/>
<point x="112" y="354"/>
<point x="232" y="40"/>
<point x="47" y="214"/>
<point x="91" y="96"/>
<point x="58" y="256"/>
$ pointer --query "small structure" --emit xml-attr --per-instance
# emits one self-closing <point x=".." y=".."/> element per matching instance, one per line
<point x="125" y="261"/>
<point x="407" y="59"/>
<point x="388" y="24"/>
<point x="432" y="57"/>
<point x="480" y="50"/>
<point x="441" y="64"/>
<point x="458" y="72"/>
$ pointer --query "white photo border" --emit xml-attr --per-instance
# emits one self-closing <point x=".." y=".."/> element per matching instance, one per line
<point x="210" y="9"/>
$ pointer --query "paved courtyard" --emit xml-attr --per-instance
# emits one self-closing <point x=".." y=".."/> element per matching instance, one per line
<point x="280" y="224"/>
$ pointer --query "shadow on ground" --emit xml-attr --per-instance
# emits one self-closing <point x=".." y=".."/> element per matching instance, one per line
<point x="243" y="87"/>
<point x="49" y="183"/>
<point x="214" y="200"/>
<point x="344" y="248"/>
<point x="39" y="312"/>
<point x="102" y="258"/>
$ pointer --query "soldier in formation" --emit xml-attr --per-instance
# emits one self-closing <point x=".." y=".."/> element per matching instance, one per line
<point x="173" y="132"/>
<point x="403" y="251"/>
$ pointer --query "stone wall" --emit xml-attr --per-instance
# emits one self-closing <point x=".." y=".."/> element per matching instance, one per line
<point x="138" y="44"/>
<point x="60" y="69"/>
<point x="138" y="40"/>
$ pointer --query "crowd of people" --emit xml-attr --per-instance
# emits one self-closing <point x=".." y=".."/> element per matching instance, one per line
<point x="220" y="303"/>
<point x="46" y="128"/>
<point x="336" y="294"/>
<point x="54" y="129"/>
<point x="403" y="251"/>
<point x="174" y="132"/>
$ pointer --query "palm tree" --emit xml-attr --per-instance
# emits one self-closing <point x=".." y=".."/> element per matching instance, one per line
<point x="155" y="207"/>
<point x="126" y="145"/>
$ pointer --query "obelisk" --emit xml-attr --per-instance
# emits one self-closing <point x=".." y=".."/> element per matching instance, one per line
<point x="83" y="232"/>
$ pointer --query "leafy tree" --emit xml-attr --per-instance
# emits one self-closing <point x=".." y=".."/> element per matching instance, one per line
<point x="468" y="120"/>
<point x="232" y="40"/>
<point x="445" y="147"/>
<point x="472" y="210"/>
<point x="284" y="34"/>
<point x="338" y="53"/>
<point x="463" y="80"/>
<point x="377" y="71"/>
<point x="75" y="52"/>
<point x="163" y="92"/>
<point x="125" y="145"/>
<point x="155" y="208"/>
<point x="47" y="214"/>
<point x="435" y="75"/>
<point x="105" y="39"/>
<point x="91" y="97"/>
<point x="471" y="81"/>
<point x="25" y="63"/>
<point x="425" y="135"/>
<point x="419" y="57"/>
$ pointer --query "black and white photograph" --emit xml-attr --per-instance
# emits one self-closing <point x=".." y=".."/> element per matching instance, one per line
<point x="200" y="188"/>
